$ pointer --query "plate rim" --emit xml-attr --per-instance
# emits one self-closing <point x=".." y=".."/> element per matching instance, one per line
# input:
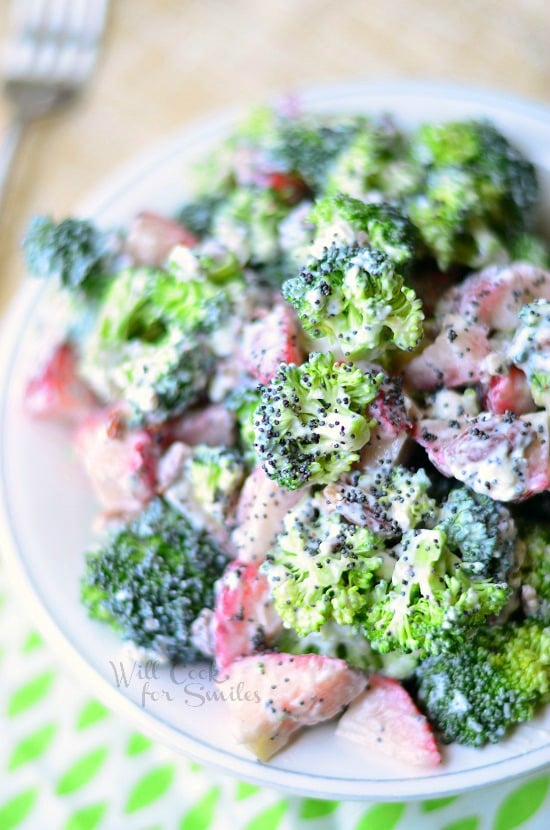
<point x="96" y="203"/>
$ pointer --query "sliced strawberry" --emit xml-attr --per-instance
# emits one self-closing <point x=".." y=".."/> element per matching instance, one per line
<point x="120" y="462"/>
<point x="56" y="391"/>
<point x="273" y="695"/>
<point x="503" y="456"/>
<point x="393" y="425"/>
<point x="453" y="359"/>
<point x="385" y="719"/>
<point x="245" y="620"/>
<point x="213" y="425"/>
<point x="259" y="515"/>
<point x="151" y="237"/>
<point x="509" y="393"/>
<point x="290" y="187"/>
<point x="494" y="296"/>
<point x="270" y="341"/>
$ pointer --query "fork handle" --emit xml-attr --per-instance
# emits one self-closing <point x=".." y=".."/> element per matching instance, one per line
<point x="11" y="142"/>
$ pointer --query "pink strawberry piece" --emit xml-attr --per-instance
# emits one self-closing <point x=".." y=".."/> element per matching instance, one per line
<point x="384" y="719"/>
<point x="213" y="425"/>
<point x="259" y="515"/>
<point x="151" y="237"/>
<point x="510" y="393"/>
<point x="245" y="621"/>
<point x="494" y="296"/>
<point x="120" y="462"/>
<point x="56" y="391"/>
<point x="504" y="456"/>
<point x="273" y="695"/>
<point x="453" y="359"/>
<point x="270" y="341"/>
<point x="393" y="425"/>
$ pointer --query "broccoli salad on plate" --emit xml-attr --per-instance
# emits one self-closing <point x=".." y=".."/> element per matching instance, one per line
<point x="314" y="408"/>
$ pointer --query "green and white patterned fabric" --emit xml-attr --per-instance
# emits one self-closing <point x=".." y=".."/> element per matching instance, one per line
<point x="67" y="763"/>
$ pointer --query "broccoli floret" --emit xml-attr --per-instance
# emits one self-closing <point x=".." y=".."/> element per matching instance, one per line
<point x="74" y="250"/>
<point x="152" y="578"/>
<point x="198" y="214"/>
<point x="208" y="485"/>
<point x="311" y="421"/>
<point x="526" y="247"/>
<point x="476" y="192"/>
<point x="321" y="568"/>
<point x="343" y="641"/>
<point x="430" y="598"/>
<point x="244" y="403"/>
<point x="344" y="221"/>
<point x="535" y="573"/>
<point x="374" y="165"/>
<point x="356" y="298"/>
<point x="401" y="495"/>
<point x="146" y="345"/>
<point x="530" y="349"/>
<point x="490" y="682"/>
<point x="481" y="531"/>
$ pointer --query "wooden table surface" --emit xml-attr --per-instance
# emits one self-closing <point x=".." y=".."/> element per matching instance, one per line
<point x="166" y="62"/>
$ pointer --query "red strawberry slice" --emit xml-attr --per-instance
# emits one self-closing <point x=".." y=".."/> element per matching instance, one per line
<point x="393" y="425"/>
<point x="503" y="456"/>
<point x="270" y="341"/>
<point x="273" y="695"/>
<point x="259" y="515"/>
<point x="494" y="296"/>
<point x="120" y="462"/>
<point x="151" y="237"/>
<point x="510" y="393"/>
<point x="453" y="359"/>
<point x="245" y="621"/>
<point x="385" y="719"/>
<point x="56" y="391"/>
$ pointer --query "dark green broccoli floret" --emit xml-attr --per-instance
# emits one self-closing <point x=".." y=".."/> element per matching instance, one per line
<point x="321" y="568"/>
<point x="73" y="250"/>
<point x="197" y="215"/>
<point x="311" y="421"/>
<point x="526" y="247"/>
<point x="152" y="578"/>
<point x="477" y="191"/>
<point x="535" y="572"/>
<point x="430" y="598"/>
<point x="146" y="345"/>
<point x="481" y="531"/>
<point x="344" y="221"/>
<point x="356" y="298"/>
<point x="490" y="682"/>
<point x="530" y="349"/>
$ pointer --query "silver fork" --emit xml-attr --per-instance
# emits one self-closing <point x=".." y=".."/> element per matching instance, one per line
<point x="50" y="52"/>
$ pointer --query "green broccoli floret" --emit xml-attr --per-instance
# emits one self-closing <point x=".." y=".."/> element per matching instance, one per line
<point x="401" y="496"/>
<point x="198" y="214"/>
<point x="481" y="531"/>
<point x="477" y="191"/>
<point x="490" y="682"/>
<point x="535" y="573"/>
<point x="356" y="298"/>
<point x="311" y="421"/>
<point x="526" y="247"/>
<point x="244" y="403"/>
<point x="344" y="221"/>
<point x="74" y="250"/>
<point x="346" y="642"/>
<point x="321" y="568"/>
<point x="530" y="349"/>
<point x="374" y="165"/>
<point x="152" y="578"/>
<point x="146" y="345"/>
<point x="208" y="485"/>
<point x="430" y="598"/>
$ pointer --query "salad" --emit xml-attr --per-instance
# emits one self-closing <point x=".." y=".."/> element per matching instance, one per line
<point x="314" y="408"/>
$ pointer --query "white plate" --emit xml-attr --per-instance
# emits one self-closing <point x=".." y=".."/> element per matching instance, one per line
<point x="46" y="507"/>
